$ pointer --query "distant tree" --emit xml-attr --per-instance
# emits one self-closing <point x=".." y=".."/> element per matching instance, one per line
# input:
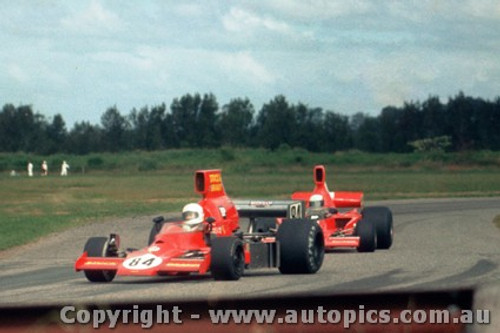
<point x="391" y="138"/>
<point x="57" y="129"/>
<point x="309" y="133"/>
<point x="398" y="126"/>
<point x="184" y="119"/>
<point x="356" y="120"/>
<point x="337" y="132"/>
<point x="462" y="121"/>
<point x="139" y="123"/>
<point x="170" y="135"/>
<point x="115" y="130"/>
<point x="207" y="135"/>
<point x="433" y="118"/>
<point x="156" y="126"/>
<point x="56" y="135"/>
<point x="409" y="127"/>
<point x="22" y="130"/>
<point x="488" y="124"/>
<point x="235" y="122"/>
<point x="276" y="124"/>
<point x="10" y="134"/>
<point x="366" y="133"/>
<point x="493" y="120"/>
<point x="84" y="138"/>
<point x="195" y="121"/>
<point x="147" y="127"/>
<point x="38" y="141"/>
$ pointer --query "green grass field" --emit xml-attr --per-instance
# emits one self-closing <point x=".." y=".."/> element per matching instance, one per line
<point x="33" y="207"/>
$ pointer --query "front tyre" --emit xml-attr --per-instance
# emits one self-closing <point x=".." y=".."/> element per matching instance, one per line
<point x="367" y="233"/>
<point x="98" y="247"/>
<point x="227" y="258"/>
<point x="302" y="246"/>
<point x="382" y="218"/>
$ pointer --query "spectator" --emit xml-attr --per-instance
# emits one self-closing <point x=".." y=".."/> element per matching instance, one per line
<point x="30" y="169"/>
<point x="45" y="168"/>
<point x="64" y="168"/>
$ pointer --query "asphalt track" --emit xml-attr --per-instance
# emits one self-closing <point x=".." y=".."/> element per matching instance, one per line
<point x="439" y="244"/>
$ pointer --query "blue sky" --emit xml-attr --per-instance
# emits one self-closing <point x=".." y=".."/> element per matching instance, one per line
<point x="77" y="58"/>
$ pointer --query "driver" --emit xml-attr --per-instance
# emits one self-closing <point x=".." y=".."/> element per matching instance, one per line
<point x="193" y="216"/>
<point x="316" y="209"/>
<point x="316" y="201"/>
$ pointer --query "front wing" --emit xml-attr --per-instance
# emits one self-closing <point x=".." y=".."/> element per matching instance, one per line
<point x="333" y="242"/>
<point x="144" y="265"/>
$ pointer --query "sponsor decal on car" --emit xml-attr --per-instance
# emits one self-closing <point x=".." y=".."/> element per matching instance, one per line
<point x="100" y="263"/>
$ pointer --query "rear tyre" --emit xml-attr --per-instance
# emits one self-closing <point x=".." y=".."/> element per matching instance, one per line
<point x="302" y="246"/>
<point x="98" y="247"/>
<point x="228" y="259"/>
<point x="366" y="231"/>
<point x="382" y="217"/>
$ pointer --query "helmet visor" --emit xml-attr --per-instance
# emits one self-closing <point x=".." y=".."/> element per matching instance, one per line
<point x="189" y="215"/>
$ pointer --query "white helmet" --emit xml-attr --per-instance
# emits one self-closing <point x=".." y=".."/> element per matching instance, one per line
<point x="192" y="214"/>
<point x="316" y="201"/>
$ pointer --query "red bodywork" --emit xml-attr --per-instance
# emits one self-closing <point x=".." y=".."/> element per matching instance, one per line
<point x="338" y="227"/>
<point x="175" y="250"/>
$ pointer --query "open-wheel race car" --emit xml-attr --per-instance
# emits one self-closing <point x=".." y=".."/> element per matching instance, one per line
<point x="344" y="220"/>
<point x="208" y="238"/>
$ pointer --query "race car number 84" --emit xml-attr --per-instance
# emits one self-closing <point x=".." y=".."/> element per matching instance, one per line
<point x="142" y="262"/>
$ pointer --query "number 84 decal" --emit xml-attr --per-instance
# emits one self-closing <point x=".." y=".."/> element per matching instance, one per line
<point x="142" y="262"/>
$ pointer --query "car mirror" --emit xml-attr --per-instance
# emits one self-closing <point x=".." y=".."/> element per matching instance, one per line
<point x="158" y="219"/>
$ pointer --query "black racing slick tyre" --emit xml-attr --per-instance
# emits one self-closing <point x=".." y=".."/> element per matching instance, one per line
<point x="227" y="258"/>
<point x="98" y="247"/>
<point x="367" y="233"/>
<point x="302" y="246"/>
<point x="382" y="217"/>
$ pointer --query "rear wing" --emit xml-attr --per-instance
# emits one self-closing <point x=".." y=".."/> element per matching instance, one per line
<point x="270" y="208"/>
<point x="335" y="199"/>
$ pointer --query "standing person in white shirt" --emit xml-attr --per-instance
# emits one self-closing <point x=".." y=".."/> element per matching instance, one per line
<point x="45" y="168"/>
<point x="64" y="168"/>
<point x="30" y="169"/>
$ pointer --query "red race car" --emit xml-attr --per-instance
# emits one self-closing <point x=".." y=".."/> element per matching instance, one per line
<point x="343" y="224"/>
<point x="208" y="238"/>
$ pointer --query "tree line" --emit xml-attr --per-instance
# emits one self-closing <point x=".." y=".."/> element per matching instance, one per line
<point x="197" y="121"/>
